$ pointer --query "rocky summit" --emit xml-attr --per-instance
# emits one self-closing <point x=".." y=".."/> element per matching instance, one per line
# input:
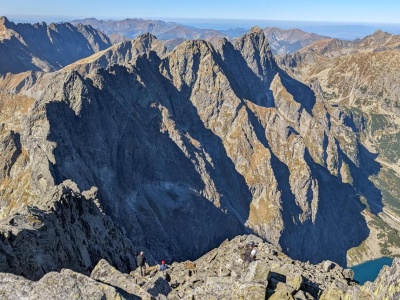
<point x="219" y="274"/>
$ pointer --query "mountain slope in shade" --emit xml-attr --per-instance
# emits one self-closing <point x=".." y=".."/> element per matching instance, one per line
<point x="361" y="78"/>
<point x="42" y="47"/>
<point x="192" y="146"/>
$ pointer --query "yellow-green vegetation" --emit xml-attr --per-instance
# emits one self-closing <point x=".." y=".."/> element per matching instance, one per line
<point x="388" y="182"/>
<point x="365" y="202"/>
<point x="357" y="252"/>
<point x="387" y="235"/>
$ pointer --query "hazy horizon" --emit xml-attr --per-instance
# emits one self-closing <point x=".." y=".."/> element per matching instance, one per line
<point x="330" y="18"/>
<point x="342" y="30"/>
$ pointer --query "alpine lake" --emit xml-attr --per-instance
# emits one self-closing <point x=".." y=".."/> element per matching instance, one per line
<point x="369" y="270"/>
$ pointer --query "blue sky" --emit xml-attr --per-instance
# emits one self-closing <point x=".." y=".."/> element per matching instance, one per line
<point x="362" y="11"/>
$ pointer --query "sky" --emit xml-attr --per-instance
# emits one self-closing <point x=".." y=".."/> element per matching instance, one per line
<point x="350" y="11"/>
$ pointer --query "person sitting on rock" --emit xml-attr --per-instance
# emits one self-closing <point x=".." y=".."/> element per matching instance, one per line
<point x="163" y="266"/>
<point x="141" y="262"/>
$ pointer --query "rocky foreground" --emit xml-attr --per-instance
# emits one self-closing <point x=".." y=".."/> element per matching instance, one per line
<point x="217" y="275"/>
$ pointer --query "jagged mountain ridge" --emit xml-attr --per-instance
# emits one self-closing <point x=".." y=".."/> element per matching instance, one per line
<point x="132" y="28"/>
<point x="43" y="47"/>
<point x="379" y="41"/>
<point x="361" y="77"/>
<point x="281" y="41"/>
<point x="288" y="41"/>
<point x="218" y="274"/>
<point x="217" y="139"/>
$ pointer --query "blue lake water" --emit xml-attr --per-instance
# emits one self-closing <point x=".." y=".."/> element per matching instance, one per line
<point x="369" y="270"/>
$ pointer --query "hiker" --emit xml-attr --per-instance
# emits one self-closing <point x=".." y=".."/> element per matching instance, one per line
<point x="141" y="262"/>
<point x="163" y="266"/>
<point x="244" y="249"/>
<point x="248" y="257"/>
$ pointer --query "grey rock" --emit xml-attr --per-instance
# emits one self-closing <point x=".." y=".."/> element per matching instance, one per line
<point x="69" y="230"/>
<point x="104" y="272"/>
<point x="300" y="295"/>
<point x="64" y="285"/>
<point x="157" y="286"/>
<point x="348" y="274"/>
<point x="327" y="266"/>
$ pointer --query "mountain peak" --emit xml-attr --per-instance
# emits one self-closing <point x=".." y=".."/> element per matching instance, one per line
<point x="379" y="34"/>
<point x="256" y="29"/>
<point x="147" y="36"/>
<point x="4" y="22"/>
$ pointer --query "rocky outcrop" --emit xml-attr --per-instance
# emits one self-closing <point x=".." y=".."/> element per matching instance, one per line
<point x="219" y="274"/>
<point x="387" y="284"/>
<point x="66" y="230"/>
<point x="66" y="284"/>
<point x="107" y="274"/>
<point x="43" y="47"/>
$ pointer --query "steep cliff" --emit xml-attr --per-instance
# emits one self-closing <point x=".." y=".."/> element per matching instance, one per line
<point x="361" y="79"/>
<point x="190" y="147"/>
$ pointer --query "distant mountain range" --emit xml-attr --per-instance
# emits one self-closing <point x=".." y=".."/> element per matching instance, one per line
<point x="42" y="47"/>
<point x="172" y="34"/>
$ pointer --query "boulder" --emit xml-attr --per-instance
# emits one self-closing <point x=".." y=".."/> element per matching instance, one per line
<point x="336" y="291"/>
<point x="348" y="274"/>
<point x="66" y="284"/>
<point x="157" y="286"/>
<point x="282" y="292"/>
<point x="295" y="281"/>
<point x="252" y="291"/>
<point x="106" y="273"/>
<point x="327" y="265"/>
<point x="258" y="271"/>
<point x="300" y="295"/>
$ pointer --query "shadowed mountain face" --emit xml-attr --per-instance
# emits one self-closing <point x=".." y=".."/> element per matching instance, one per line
<point x="360" y="78"/>
<point x="38" y="47"/>
<point x="192" y="146"/>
